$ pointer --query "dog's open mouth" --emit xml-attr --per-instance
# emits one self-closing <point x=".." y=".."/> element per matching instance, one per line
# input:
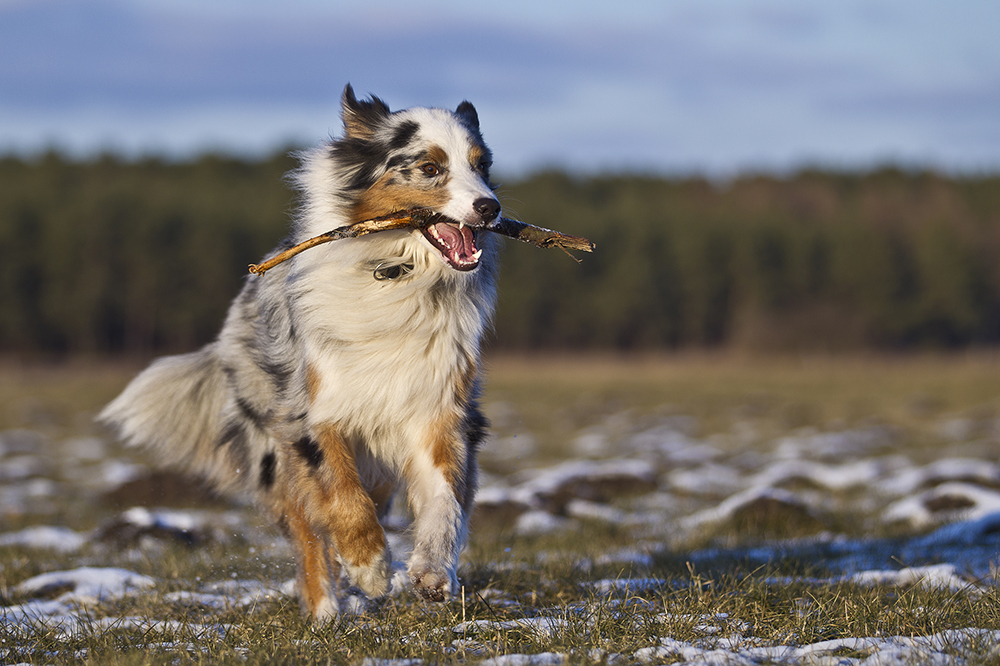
<point x="456" y="243"/>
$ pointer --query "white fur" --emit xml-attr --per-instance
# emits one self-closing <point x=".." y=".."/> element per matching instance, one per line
<point x="384" y="361"/>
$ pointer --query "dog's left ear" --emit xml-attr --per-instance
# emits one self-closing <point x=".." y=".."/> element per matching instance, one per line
<point x="467" y="114"/>
<point x="362" y="118"/>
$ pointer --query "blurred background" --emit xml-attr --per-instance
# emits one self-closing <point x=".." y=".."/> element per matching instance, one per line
<point x="794" y="307"/>
<point x="763" y="175"/>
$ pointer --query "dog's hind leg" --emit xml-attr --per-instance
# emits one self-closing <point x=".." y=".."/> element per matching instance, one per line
<point x="337" y="503"/>
<point x="318" y="576"/>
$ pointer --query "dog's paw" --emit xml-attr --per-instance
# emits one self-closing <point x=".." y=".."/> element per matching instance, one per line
<point x="373" y="578"/>
<point x="326" y="611"/>
<point x="433" y="585"/>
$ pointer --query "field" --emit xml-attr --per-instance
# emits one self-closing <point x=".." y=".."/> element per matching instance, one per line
<point x="712" y="509"/>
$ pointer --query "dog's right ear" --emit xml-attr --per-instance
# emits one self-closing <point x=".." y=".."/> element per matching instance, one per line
<point x="467" y="113"/>
<point x="362" y="118"/>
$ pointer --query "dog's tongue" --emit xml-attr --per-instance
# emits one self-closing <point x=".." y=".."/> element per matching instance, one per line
<point x="458" y="246"/>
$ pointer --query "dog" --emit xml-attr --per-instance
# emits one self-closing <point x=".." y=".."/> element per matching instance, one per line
<point x="353" y="368"/>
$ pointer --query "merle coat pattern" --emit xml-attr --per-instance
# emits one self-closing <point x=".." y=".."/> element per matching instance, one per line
<point x="355" y="366"/>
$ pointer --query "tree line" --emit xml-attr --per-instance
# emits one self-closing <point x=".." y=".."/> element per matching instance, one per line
<point x="107" y="256"/>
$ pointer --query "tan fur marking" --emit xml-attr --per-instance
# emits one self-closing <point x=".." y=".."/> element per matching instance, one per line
<point x="312" y="383"/>
<point x="355" y="127"/>
<point x="447" y="447"/>
<point x="317" y="573"/>
<point x="476" y="155"/>
<point x="384" y="198"/>
<point x="351" y="515"/>
<point x="448" y="451"/>
<point x="437" y="155"/>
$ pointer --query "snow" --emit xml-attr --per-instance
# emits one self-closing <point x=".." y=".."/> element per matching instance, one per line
<point x="542" y="625"/>
<point x="729" y="507"/>
<point x="903" y="650"/>
<point x="940" y="577"/>
<point x="948" y="500"/>
<point x="667" y="485"/>
<point x="175" y="521"/>
<point x="540" y="522"/>
<point x="911" y="479"/>
<point x="83" y="586"/>
<point x="60" y="539"/>
<point x="88" y="584"/>
<point x="540" y="659"/>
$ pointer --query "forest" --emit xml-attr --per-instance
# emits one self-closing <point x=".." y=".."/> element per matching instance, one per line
<point x="108" y="256"/>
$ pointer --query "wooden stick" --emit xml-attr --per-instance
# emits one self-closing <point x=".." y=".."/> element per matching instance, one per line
<point x="540" y="236"/>
<point x="419" y="218"/>
<point x="415" y="219"/>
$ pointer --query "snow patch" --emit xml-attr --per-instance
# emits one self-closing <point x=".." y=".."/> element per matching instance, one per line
<point x="60" y="539"/>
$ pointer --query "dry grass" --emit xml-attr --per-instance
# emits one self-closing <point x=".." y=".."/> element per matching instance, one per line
<point x="687" y="605"/>
<point x="513" y="578"/>
<point x="557" y="394"/>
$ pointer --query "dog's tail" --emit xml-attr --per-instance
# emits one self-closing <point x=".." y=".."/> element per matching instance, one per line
<point x="174" y="409"/>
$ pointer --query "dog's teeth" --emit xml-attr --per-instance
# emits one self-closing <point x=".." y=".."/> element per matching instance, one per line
<point x="461" y="225"/>
<point x="478" y="254"/>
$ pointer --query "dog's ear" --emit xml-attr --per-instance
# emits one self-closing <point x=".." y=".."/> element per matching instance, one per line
<point x="467" y="114"/>
<point x="362" y="118"/>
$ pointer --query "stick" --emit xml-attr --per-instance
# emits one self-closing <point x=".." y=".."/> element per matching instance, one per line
<point x="540" y="236"/>
<point x="420" y="218"/>
<point x="415" y="219"/>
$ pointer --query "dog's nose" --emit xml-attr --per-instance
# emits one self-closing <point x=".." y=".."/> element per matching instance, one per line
<point x="486" y="208"/>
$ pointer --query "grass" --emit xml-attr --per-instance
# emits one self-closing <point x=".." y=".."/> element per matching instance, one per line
<point x="551" y="396"/>
<point x="689" y="606"/>
<point x="510" y="581"/>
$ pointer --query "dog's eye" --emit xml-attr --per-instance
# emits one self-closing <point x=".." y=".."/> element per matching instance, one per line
<point x="430" y="169"/>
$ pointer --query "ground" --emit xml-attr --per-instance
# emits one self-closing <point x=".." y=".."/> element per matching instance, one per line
<point x="691" y="509"/>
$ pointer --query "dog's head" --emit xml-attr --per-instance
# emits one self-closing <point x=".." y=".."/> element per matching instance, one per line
<point x="418" y="158"/>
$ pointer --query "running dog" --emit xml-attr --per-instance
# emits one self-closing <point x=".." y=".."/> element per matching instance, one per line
<point x="354" y="367"/>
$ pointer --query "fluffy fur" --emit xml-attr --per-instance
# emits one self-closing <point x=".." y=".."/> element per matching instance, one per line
<point x="354" y="366"/>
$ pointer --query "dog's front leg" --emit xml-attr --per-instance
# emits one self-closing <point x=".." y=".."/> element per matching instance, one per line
<point x="441" y="480"/>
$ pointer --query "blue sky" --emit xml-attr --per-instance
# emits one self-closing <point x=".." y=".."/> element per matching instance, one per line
<point x="707" y="86"/>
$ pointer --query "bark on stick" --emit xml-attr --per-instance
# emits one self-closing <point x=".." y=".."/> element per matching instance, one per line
<point x="416" y="219"/>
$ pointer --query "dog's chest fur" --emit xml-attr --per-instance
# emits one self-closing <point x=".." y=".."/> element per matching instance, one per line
<point x="383" y="359"/>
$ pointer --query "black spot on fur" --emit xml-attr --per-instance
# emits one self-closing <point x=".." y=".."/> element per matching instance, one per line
<point x="235" y="435"/>
<point x="400" y="160"/>
<point x="309" y="451"/>
<point x="403" y="134"/>
<point x="267" y="464"/>
<point x="362" y="160"/>
<point x="476" y="426"/>
<point x="474" y="431"/>
<point x="278" y="372"/>
<point x="252" y="415"/>
<point x="232" y="432"/>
